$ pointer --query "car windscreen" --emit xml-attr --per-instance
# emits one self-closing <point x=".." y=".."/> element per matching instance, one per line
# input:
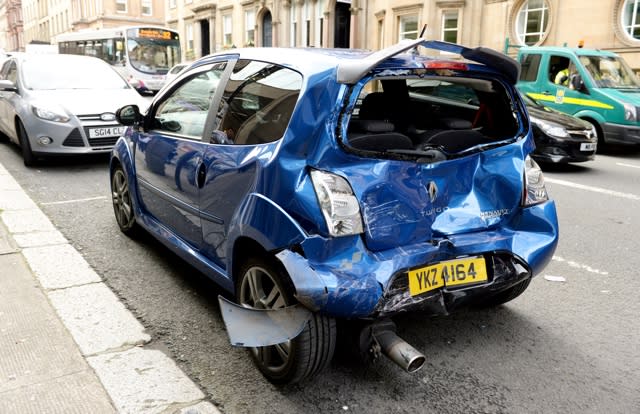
<point x="610" y="72"/>
<point x="54" y="72"/>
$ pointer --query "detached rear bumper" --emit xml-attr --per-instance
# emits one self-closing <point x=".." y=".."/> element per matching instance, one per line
<point x="341" y="278"/>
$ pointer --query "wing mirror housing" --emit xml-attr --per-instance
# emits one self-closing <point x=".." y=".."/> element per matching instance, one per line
<point x="129" y="115"/>
<point x="8" y="86"/>
<point x="577" y="83"/>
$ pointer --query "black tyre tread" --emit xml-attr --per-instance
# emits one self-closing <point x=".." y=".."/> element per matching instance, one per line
<point x="321" y="344"/>
<point x="134" y="230"/>
<point x="27" y="154"/>
<point x="315" y="346"/>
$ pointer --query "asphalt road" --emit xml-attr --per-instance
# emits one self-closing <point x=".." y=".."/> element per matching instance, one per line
<point x="562" y="347"/>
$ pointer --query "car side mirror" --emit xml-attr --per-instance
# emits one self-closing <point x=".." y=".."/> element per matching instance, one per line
<point x="577" y="83"/>
<point x="8" y="86"/>
<point x="129" y="115"/>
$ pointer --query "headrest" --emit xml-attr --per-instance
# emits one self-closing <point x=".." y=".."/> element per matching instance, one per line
<point x="371" y="126"/>
<point x="456" y="123"/>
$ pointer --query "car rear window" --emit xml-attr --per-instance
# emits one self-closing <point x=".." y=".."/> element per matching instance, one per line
<point x="449" y="113"/>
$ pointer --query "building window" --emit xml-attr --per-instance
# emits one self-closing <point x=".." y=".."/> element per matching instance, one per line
<point x="532" y="21"/>
<point x="294" y="24"/>
<point x="250" y="28"/>
<point x="319" y="28"/>
<point x="408" y="28"/>
<point x="172" y="4"/>
<point x="450" y="26"/>
<point x="226" y="30"/>
<point x="380" y="34"/>
<point x="121" y="6"/>
<point x="631" y="18"/>
<point x="306" y="24"/>
<point x="147" y="8"/>
<point x="190" y="44"/>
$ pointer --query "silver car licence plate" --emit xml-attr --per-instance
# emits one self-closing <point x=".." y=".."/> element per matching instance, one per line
<point x="106" y="132"/>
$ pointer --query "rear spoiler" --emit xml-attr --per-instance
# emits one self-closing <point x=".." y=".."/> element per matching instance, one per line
<point x="350" y="72"/>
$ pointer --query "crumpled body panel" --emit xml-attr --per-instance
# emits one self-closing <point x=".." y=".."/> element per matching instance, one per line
<point x="404" y="203"/>
<point x="343" y="278"/>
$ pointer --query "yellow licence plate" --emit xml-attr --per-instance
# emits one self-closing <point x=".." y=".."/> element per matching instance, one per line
<point x="459" y="272"/>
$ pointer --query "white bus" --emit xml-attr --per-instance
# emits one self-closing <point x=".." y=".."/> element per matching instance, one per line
<point x="142" y="54"/>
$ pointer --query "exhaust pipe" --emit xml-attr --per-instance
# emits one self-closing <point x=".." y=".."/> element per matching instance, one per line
<point x="384" y="338"/>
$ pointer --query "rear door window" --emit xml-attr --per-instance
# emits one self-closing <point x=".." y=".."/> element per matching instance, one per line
<point x="257" y="103"/>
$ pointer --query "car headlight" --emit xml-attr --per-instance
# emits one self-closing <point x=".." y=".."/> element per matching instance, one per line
<point x="339" y="205"/>
<point x="50" y="112"/>
<point x="550" y="128"/>
<point x="630" y="112"/>
<point x="535" y="192"/>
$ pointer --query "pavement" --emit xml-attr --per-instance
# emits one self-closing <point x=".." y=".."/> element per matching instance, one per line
<point x="67" y="343"/>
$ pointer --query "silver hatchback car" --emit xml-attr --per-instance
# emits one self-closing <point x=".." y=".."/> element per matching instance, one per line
<point x="54" y="104"/>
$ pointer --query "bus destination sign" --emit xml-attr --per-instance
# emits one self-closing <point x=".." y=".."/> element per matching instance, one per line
<point x="152" y="33"/>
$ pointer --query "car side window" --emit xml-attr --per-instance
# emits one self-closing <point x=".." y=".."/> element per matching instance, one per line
<point x="9" y="71"/>
<point x="184" y="111"/>
<point x="560" y="70"/>
<point x="530" y="64"/>
<point x="257" y="103"/>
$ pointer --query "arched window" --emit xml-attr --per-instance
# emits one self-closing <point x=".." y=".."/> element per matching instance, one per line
<point x="631" y="18"/>
<point x="532" y="21"/>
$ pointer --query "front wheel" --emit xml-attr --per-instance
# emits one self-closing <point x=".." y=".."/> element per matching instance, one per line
<point x="264" y="284"/>
<point x="27" y="154"/>
<point x="122" y="204"/>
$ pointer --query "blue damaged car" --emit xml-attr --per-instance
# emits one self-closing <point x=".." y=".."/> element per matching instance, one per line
<point x="318" y="186"/>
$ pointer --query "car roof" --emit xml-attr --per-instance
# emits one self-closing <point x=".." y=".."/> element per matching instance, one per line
<point x="22" y="56"/>
<point x="305" y="60"/>
<point x="352" y="64"/>
<point x="574" y="50"/>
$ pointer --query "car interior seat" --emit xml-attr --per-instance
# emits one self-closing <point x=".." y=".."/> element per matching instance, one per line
<point x="375" y="135"/>
<point x="453" y="140"/>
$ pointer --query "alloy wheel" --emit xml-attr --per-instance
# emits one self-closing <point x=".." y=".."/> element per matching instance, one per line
<point x="259" y="290"/>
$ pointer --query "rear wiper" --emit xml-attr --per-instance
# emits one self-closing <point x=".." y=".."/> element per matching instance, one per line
<point x="426" y="156"/>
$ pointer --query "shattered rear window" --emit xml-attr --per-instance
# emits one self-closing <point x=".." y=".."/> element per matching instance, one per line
<point x="441" y="115"/>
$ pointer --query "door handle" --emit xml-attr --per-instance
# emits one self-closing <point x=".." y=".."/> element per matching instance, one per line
<point x="202" y="175"/>
<point x="546" y="93"/>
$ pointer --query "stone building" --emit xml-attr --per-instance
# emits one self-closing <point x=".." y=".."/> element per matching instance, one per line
<point x="44" y="19"/>
<point x="212" y="25"/>
<point x="11" y="25"/>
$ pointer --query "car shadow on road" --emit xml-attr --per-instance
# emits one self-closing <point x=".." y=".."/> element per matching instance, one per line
<point x="564" y="168"/>
<point x="61" y="161"/>
<point x="621" y="151"/>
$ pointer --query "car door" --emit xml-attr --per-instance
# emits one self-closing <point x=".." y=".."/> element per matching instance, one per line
<point x="170" y="150"/>
<point x="253" y="115"/>
<point x="558" y="91"/>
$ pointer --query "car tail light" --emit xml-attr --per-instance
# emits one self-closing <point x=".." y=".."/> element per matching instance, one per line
<point x="445" y="64"/>
<point x="339" y="205"/>
<point x="535" y="191"/>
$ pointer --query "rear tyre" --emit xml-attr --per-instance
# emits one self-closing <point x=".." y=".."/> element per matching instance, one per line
<point x="27" y="155"/>
<point x="122" y="204"/>
<point x="507" y="295"/>
<point x="264" y="284"/>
